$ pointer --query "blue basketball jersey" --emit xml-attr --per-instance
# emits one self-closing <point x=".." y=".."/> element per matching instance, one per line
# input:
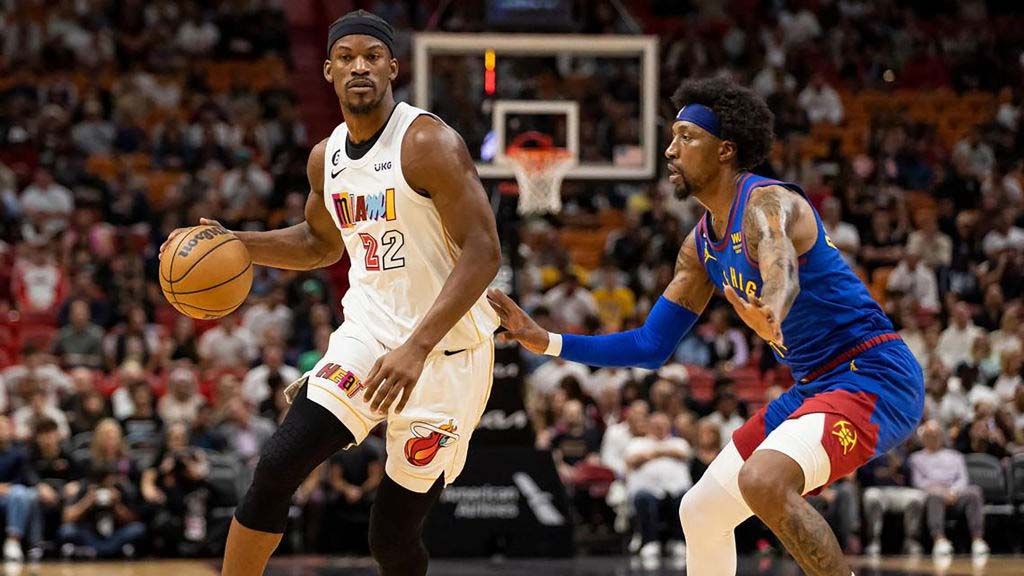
<point x="832" y="313"/>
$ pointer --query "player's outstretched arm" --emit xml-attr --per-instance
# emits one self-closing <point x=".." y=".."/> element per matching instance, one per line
<point x="649" y="346"/>
<point x="311" y="244"/>
<point x="778" y="224"/>
<point x="435" y="162"/>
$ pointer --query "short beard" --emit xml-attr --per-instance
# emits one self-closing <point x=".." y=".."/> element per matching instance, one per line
<point x="683" y="190"/>
<point x="363" y="108"/>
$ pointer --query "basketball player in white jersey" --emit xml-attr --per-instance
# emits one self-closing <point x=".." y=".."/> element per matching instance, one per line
<point x="397" y="189"/>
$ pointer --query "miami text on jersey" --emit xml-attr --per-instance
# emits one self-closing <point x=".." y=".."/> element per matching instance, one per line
<point x="355" y="208"/>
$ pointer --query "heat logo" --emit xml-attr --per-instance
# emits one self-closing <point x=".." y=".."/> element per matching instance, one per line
<point x="427" y="439"/>
<point x="348" y="382"/>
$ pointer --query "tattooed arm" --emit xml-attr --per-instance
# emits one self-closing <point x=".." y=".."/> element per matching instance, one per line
<point x="691" y="287"/>
<point x="778" y="225"/>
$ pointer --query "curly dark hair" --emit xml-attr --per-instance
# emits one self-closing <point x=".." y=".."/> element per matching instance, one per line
<point x="743" y="115"/>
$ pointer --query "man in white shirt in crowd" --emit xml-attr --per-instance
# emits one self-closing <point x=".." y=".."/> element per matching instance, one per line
<point x="227" y="345"/>
<point x="934" y="246"/>
<point x="913" y="280"/>
<point x="843" y="234"/>
<point x="1005" y="236"/>
<point x="182" y="401"/>
<point x="658" y="475"/>
<point x="570" y="303"/>
<point x="956" y="340"/>
<point x="255" y="387"/>
<point x="821" y="102"/>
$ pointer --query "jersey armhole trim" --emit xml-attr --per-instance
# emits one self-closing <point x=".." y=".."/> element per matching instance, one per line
<point x="407" y="190"/>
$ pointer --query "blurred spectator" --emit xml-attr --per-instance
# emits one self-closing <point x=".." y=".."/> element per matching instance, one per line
<point x="1004" y="236"/>
<point x="40" y="407"/>
<point x="990" y="432"/>
<point x="887" y="489"/>
<point x="618" y="436"/>
<point x="883" y="242"/>
<point x="727" y="344"/>
<point x="576" y="441"/>
<point x="176" y="487"/>
<point x="101" y="518"/>
<point x="942" y="473"/>
<point x="256" y="386"/>
<point x="709" y="444"/>
<point x="352" y="479"/>
<point x="1009" y="379"/>
<point x="245" y="189"/>
<point x="843" y="234"/>
<point x="182" y="401"/>
<point x="143" y="421"/>
<point x="956" y="340"/>
<point x="972" y="156"/>
<point x="227" y="345"/>
<point x="16" y="497"/>
<point x="1007" y="337"/>
<point x="821" y="102"/>
<point x="47" y="207"/>
<point x="269" y="319"/>
<point x="615" y="302"/>
<point x="934" y="246"/>
<point x="136" y="340"/>
<point x="183" y="342"/>
<point x="914" y="282"/>
<point x="37" y="369"/>
<point x="948" y="407"/>
<point x="570" y="303"/>
<point x="726" y="415"/>
<point x="658" y="475"/>
<point x="88" y="411"/>
<point x="245" y="431"/>
<point x="53" y="470"/>
<point x="80" y="343"/>
<point x="38" y="284"/>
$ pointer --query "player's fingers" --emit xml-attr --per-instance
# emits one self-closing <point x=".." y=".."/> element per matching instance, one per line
<point x="406" y="393"/>
<point x="208" y="222"/>
<point x="381" y="394"/>
<point x="734" y="299"/>
<point x="372" y="380"/>
<point x="393" y="392"/>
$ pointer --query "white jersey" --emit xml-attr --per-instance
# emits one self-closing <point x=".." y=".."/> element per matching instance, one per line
<point x="401" y="253"/>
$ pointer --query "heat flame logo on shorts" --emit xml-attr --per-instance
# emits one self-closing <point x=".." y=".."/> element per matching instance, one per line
<point x="427" y="440"/>
<point x="846" y="435"/>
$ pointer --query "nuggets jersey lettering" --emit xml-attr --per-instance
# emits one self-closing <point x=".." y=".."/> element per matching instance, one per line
<point x="401" y="253"/>
<point x="833" y="311"/>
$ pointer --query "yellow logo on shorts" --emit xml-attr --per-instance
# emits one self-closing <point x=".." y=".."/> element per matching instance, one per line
<point x="847" y="436"/>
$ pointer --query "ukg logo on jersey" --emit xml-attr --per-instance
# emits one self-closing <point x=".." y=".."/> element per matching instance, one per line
<point x="352" y="209"/>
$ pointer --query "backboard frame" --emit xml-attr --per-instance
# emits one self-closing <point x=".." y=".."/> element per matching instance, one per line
<point x="426" y="44"/>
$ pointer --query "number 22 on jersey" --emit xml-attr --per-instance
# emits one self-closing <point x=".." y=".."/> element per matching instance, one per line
<point x="393" y="241"/>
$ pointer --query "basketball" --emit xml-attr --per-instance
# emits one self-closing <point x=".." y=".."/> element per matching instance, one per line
<point x="206" y="272"/>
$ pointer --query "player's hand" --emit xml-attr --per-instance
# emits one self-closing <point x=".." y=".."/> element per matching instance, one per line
<point x="177" y="231"/>
<point x="519" y="325"/>
<point x="393" y="373"/>
<point x="757" y="315"/>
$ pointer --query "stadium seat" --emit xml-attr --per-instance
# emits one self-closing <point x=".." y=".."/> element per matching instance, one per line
<point x="985" y="471"/>
<point x="1016" y="474"/>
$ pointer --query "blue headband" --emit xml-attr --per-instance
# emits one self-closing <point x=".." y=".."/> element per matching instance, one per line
<point x="702" y="116"/>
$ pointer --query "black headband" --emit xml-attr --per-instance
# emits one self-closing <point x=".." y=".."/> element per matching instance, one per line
<point x="361" y="22"/>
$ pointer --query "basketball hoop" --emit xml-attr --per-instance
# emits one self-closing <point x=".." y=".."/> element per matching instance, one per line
<point x="539" y="171"/>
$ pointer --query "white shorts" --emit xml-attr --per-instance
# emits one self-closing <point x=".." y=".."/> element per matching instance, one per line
<point x="430" y="438"/>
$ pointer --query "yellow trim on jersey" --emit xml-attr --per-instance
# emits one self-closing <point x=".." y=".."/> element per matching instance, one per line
<point x="343" y="403"/>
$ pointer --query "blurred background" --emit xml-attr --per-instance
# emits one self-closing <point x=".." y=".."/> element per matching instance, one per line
<point x="121" y="120"/>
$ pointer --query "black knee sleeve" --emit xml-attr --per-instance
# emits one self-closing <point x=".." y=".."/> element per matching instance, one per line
<point x="308" y="435"/>
<point x="396" y="528"/>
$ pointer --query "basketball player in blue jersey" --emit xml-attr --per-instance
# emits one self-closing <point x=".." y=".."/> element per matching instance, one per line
<point x="858" y="392"/>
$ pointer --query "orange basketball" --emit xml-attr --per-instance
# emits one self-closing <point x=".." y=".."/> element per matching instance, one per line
<point x="206" y="272"/>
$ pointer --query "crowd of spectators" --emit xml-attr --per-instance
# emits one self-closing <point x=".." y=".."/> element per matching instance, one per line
<point x="122" y="419"/>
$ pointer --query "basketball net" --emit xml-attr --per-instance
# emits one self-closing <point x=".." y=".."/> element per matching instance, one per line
<point x="539" y="172"/>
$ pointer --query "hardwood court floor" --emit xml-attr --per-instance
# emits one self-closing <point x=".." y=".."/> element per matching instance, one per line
<point x="593" y="566"/>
